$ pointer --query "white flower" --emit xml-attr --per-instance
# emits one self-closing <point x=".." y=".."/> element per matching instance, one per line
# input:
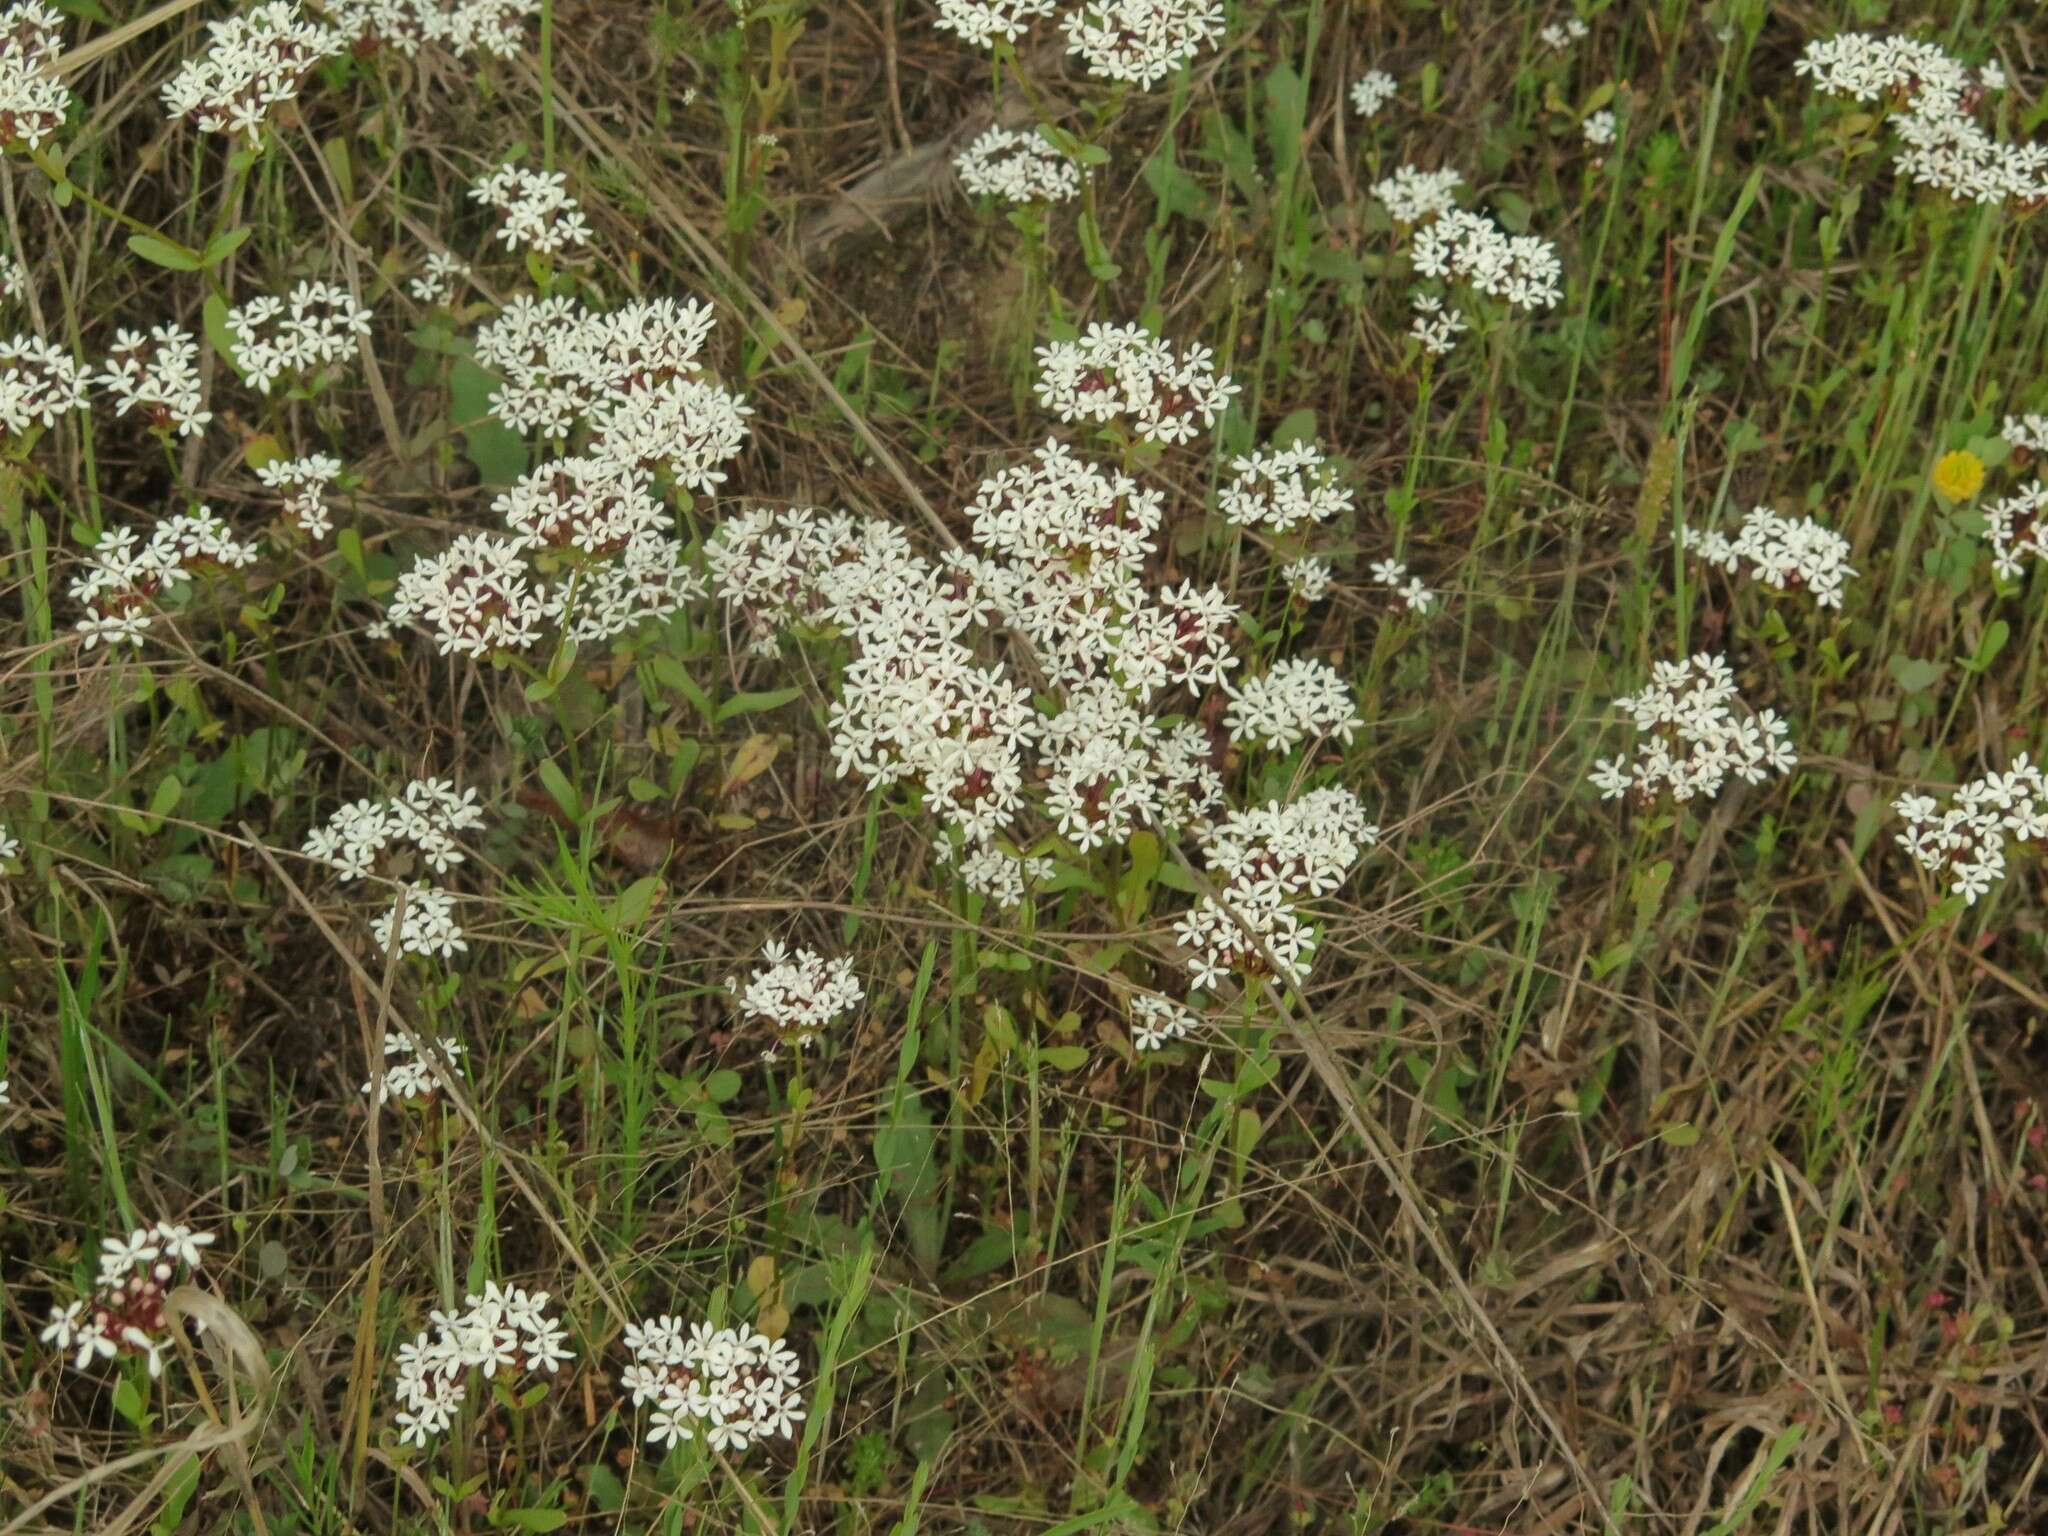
<point x="33" y="101"/>
<point x="733" y="1385"/>
<point x="2029" y="432"/>
<point x="798" y="995"/>
<point x="427" y="926"/>
<point x="439" y="274"/>
<point x="1967" y="840"/>
<point x="10" y="845"/>
<point x="1461" y="246"/>
<point x="1435" y="326"/>
<point x="2017" y="527"/>
<point x="158" y="373"/>
<point x="1599" y="129"/>
<point x="1371" y="91"/>
<point x="1283" y="489"/>
<point x="1559" y="36"/>
<point x="39" y="384"/>
<point x="1017" y="167"/>
<point x="1785" y="554"/>
<point x="1119" y="371"/>
<point x="1692" y="737"/>
<point x="1157" y="1021"/>
<point x="502" y="1329"/>
<point x="252" y="63"/>
<point x="1141" y="42"/>
<point x="317" y="325"/>
<point x="1412" y="195"/>
<point x="980" y="23"/>
<point x="537" y="210"/>
<point x="304" y="480"/>
<point x="1307" y="578"/>
<point x="1290" y="702"/>
<point x="121" y="578"/>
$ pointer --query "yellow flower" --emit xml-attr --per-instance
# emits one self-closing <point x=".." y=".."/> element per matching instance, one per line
<point x="1958" y="476"/>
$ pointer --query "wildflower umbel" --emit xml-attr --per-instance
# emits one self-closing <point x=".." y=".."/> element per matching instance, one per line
<point x="1783" y="553"/>
<point x="1117" y="372"/>
<point x="505" y="1328"/>
<point x="1283" y="489"/>
<point x="304" y="481"/>
<point x="1966" y="840"/>
<point x="1371" y="91"/>
<point x="1158" y="1021"/>
<point x="733" y="1387"/>
<point x="315" y="325"/>
<point x="124" y="579"/>
<point x="1412" y="195"/>
<point x="426" y="817"/>
<point x="797" y="995"/>
<point x="2017" y="527"/>
<point x="1141" y="42"/>
<point x="128" y="1313"/>
<point x="1945" y="147"/>
<point x="1692" y="736"/>
<point x="981" y="23"/>
<point x="252" y="64"/>
<point x="407" y="1074"/>
<point x="33" y="101"/>
<point x="1461" y="246"/>
<point x="156" y="374"/>
<point x="1017" y="167"/>
<point x="535" y="209"/>
<point x="39" y="384"/>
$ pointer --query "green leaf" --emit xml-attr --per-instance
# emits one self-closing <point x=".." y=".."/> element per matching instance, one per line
<point x="498" y="452"/>
<point x="754" y="703"/>
<point x="222" y="246"/>
<point x="561" y="789"/>
<point x="214" y="315"/>
<point x="1064" y="1058"/>
<point x="164" y="254"/>
<point x="1681" y="1134"/>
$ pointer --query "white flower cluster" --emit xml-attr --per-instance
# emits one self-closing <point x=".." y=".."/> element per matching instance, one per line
<point x="123" y="577"/>
<point x="33" y="100"/>
<point x="1290" y="702"/>
<point x="439" y="274"/>
<point x="1017" y="167"/>
<point x="1946" y="148"/>
<point x="1412" y="195"/>
<point x="408" y="1075"/>
<point x="1463" y="246"/>
<point x="1269" y="860"/>
<point x="304" y="481"/>
<point x="1784" y="553"/>
<point x="426" y="927"/>
<point x="612" y="561"/>
<point x="1119" y="371"/>
<point x="1413" y="592"/>
<point x="13" y="280"/>
<point x="505" y="1329"/>
<point x="1371" y="91"/>
<point x="252" y="63"/>
<point x="1000" y="877"/>
<point x="1435" y="326"/>
<point x="1967" y="839"/>
<point x="560" y="362"/>
<point x="1692" y="737"/>
<point x="1307" y="578"/>
<point x="158" y="373"/>
<point x="317" y="324"/>
<point x="1599" y="128"/>
<point x="1158" y="1021"/>
<point x="2028" y="432"/>
<point x="1559" y="36"/>
<point x="797" y="995"/>
<point x="39" y="383"/>
<point x="980" y="23"/>
<point x="733" y="1385"/>
<point x="537" y="211"/>
<point x="127" y="1313"/>
<point x="463" y="27"/>
<point x="1141" y="42"/>
<point x="2017" y="527"/>
<point x="1058" y="560"/>
<point x="1284" y="489"/>
<point x="427" y="816"/>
